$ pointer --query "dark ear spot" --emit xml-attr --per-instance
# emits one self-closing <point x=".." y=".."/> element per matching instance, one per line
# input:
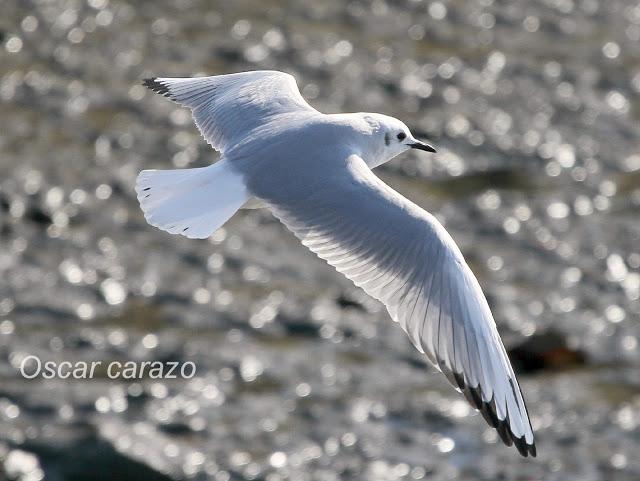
<point x="386" y="139"/>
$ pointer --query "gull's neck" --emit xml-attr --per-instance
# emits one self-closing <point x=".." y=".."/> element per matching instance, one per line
<point x="363" y="132"/>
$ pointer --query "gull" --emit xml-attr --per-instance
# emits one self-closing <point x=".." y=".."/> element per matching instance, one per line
<point x="313" y="172"/>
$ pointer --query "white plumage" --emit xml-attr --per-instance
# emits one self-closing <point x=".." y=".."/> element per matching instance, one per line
<point x="313" y="172"/>
<point x="191" y="202"/>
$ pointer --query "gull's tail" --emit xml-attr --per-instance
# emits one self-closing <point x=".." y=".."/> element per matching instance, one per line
<point x="191" y="202"/>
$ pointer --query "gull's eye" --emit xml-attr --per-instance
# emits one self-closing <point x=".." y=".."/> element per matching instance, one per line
<point x="402" y="136"/>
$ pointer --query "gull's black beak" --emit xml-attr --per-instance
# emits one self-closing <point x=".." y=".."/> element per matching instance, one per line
<point x="422" y="146"/>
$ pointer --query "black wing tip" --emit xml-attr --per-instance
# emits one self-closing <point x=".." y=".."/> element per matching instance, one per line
<point x="488" y="411"/>
<point x="524" y="448"/>
<point x="154" y="84"/>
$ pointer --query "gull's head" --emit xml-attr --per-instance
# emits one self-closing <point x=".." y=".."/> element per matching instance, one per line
<point x="390" y="137"/>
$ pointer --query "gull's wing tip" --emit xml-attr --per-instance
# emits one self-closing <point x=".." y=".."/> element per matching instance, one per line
<point x="153" y="83"/>
<point x="488" y="411"/>
<point x="524" y="448"/>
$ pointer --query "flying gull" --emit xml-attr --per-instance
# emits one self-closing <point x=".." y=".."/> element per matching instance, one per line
<point x="313" y="172"/>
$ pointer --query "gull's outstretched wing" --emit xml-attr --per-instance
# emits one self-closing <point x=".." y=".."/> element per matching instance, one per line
<point x="402" y="256"/>
<point x="228" y="107"/>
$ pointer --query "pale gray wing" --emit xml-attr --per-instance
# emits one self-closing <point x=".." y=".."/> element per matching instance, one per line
<point x="402" y="256"/>
<point x="226" y="108"/>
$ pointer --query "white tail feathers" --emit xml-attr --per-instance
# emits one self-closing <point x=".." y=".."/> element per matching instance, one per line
<point x="191" y="202"/>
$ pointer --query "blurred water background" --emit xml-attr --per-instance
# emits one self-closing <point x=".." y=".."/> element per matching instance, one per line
<point x="534" y="107"/>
